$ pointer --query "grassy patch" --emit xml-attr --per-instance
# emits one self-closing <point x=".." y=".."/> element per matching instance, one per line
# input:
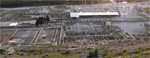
<point x="121" y="37"/>
<point x="59" y="54"/>
<point x="49" y="25"/>
<point x="137" y="19"/>
<point x="146" y="9"/>
<point x="44" y="48"/>
<point x="111" y="38"/>
<point x="11" y="12"/>
<point x="50" y="55"/>
<point x="2" y="10"/>
<point x="104" y="1"/>
<point x="128" y="55"/>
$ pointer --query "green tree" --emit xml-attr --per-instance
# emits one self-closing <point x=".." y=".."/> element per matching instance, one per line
<point x="93" y="54"/>
<point x="1" y="51"/>
<point x="47" y="18"/>
<point x="96" y="53"/>
<point x="90" y="54"/>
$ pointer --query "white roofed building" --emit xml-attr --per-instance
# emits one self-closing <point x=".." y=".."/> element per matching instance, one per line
<point x="84" y="14"/>
<point x="21" y="24"/>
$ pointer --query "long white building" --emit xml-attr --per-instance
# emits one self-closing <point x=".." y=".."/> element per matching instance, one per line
<point x="84" y="14"/>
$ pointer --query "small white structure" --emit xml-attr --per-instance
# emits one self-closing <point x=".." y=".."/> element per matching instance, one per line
<point x="124" y="2"/>
<point x="12" y="42"/>
<point x="44" y="36"/>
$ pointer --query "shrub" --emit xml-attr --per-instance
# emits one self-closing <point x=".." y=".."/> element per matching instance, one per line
<point x="93" y="54"/>
<point x="124" y="50"/>
<point x="67" y="52"/>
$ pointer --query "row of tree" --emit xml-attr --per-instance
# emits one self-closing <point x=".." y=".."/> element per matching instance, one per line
<point x="41" y="20"/>
<point x="20" y="3"/>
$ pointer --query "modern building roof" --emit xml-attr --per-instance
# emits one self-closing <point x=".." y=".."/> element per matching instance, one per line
<point x="93" y="14"/>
